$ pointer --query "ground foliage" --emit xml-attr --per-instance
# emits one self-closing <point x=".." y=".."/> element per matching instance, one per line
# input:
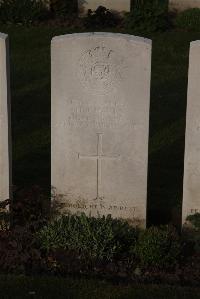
<point x="189" y="19"/>
<point x="101" y="18"/>
<point x="159" y="247"/>
<point x="145" y="15"/>
<point x="194" y="220"/>
<point x="96" y="238"/>
<point x="23" y="12"/>
<point x="18" y="251"/>
<point x="63" y="8"/>
<point x="194" y="237"/>
<point x="148" y="16"/>
<point x="23" y="287"/>
<point x="101" y="247"/>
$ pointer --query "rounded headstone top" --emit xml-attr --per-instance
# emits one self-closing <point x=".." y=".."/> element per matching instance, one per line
<point x="3" y="35"/>
<point x="128" y="37"/>
<point x="195" y="43"/>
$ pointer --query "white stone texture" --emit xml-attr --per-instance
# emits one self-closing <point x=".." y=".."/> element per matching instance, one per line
<point x="191" y="189"/>
<point x="5" y="138"/>
<point x="100" y="124"/>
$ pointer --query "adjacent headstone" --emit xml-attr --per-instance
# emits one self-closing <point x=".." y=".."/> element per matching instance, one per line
<point x="100" y="121"/>
<point x="181" y="5"/>
<point x="119" y="6"/>
<point x="191" y="190"/>
<point x="5" y="149"/>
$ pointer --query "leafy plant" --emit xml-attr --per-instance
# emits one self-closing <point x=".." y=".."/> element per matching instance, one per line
<point x="4" y="215"/>
<point x="30" y="206"/>
<point x="19" y="252"/>
<point x="159" y="247"/>
<point x="22" y="11"/>
<point x="101" y="18"/>
<point x="148" y="15"/>
<point x="194" y="220"/>
<point x="99" y="238"/>
<point x="4" y="221"/>
<point x="195" y="234"/>
<point x="63" y="8"/>
<point x="189" y="19"/>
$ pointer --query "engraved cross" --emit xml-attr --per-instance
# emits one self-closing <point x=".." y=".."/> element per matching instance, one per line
<point x="98" y="158"/>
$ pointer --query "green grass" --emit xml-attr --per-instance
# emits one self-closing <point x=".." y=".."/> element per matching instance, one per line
<point x="57" y="288"/>
<point x="30" y="82"/>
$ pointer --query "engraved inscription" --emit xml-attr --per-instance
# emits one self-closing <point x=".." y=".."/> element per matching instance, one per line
<point x="99" y="70"/>
<point x="111" y="115"/>
<point x="194" y="211"/>
<point x="100" y="206"/>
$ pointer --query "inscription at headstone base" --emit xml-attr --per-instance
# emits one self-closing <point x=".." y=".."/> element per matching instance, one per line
<point x="5" y="148"/>
<point x="100" y="121"/>
<point x="191" y="189"/>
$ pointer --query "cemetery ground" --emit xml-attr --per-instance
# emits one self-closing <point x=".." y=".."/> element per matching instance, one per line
<point x="30" y="87"/>
<point x="68" y="288"/>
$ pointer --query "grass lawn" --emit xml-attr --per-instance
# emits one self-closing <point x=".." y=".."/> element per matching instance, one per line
<point x="30" y="83"/>
<point x="56" y="288"/>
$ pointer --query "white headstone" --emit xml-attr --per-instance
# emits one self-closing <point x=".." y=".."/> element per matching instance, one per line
<point x="119" y="6"/>
<point x="181" y="5"/>
<point x="100" y="121"/>
<point x="191" y="190"/>
<point x="5" y="162"/>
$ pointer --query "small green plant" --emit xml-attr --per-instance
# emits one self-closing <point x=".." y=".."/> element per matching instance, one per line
<point x="4" y="221"/>
<point x="18" y="251"/>
<point x="30" y="206"/>
<point x="22" y="11"/>
<point x="195" y="234"/>
<point x="99" y="238"/>
<point x="189" y="19"/>
<point x="194" y="220"/>
<point x="63" y="8"/>
<point x="101" y="18"/>
<point x="158" y="247"/>
<point x="148" y="16"/>
<point x="4" y="215"/>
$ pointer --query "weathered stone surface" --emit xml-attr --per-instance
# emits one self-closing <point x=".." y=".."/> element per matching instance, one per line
<point x="191" y="190"/>
<point x="181" y="5"/>
<point x="5" y="148"/>
<point x="100" y="120"/>
<point x="115" y="5"/>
